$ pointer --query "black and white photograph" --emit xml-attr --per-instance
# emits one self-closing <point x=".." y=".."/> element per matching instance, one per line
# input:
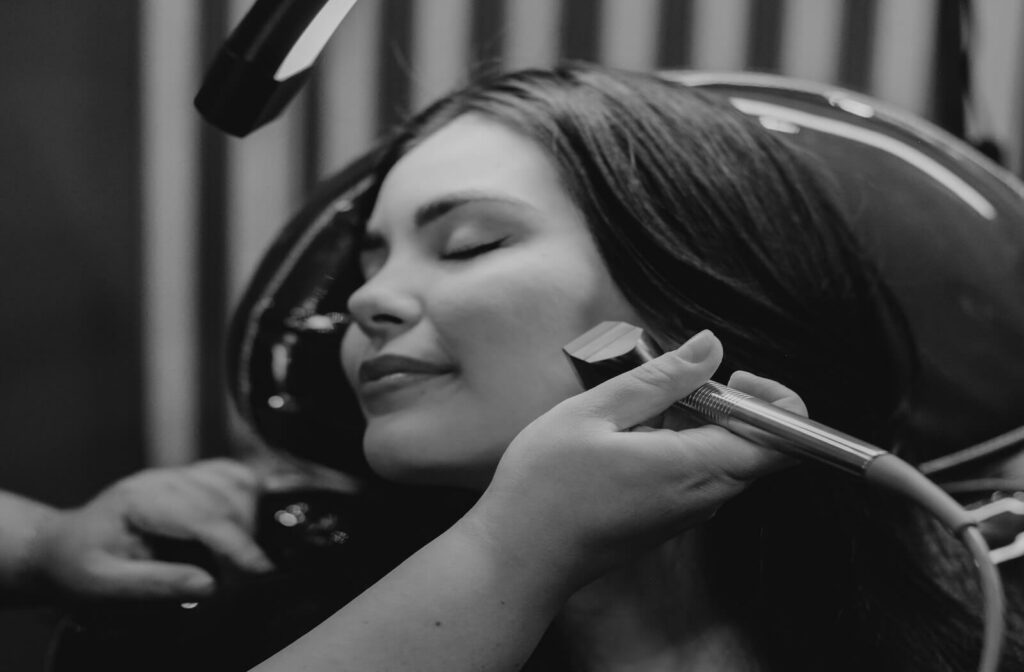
<point x="501" y="335"/>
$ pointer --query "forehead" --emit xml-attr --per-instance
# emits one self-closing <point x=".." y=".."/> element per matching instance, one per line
<point x="471" y="154"/>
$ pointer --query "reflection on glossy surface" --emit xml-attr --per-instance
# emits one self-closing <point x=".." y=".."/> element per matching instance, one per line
<point x="946" y="226"/>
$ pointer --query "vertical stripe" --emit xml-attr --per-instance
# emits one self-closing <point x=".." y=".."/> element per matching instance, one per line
<point x="720" y="31"/>
<point x="349" y="69"/>
<point x="170" y="132"/>
<point x="764" y="34"/>
<point x="625" y="33"/>
<point x="212" y="259"/>
<point x="857" y="46"/>
<point x="904" y="41"/>
<point x="675" y="34"/>
<point x="997" y="77"/>
<point x="394" y="53"/>
<point x="311" y="130"/>
<point x="268" y="171"/>
<point x="1018" y="85"/>
<point x="533" y="33"/>
<point x="579" y="29"/>
<point x="950" y="70"/>
<point x="810" y="34"/>
<point x="488" y="34"/>
<point x="440" y="48"/>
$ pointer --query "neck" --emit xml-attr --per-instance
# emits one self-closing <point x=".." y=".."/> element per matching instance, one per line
<point x="655" y="614"/>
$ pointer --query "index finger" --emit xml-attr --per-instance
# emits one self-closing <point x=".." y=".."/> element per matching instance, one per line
<point x="235" y="545"/>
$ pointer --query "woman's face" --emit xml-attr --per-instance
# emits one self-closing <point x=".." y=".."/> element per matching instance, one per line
<point x="479" y="269"/>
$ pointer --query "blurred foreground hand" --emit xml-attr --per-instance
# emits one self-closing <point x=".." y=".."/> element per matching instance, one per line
<point x="113" y="547"/>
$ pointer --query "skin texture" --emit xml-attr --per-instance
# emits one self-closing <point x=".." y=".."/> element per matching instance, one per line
<point x="498" y="318"/>
<point x="480" y="596"/>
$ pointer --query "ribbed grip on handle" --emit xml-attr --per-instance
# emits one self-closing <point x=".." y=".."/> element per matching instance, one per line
<point x="771" y="426"/>
<point x="712" y="401"/>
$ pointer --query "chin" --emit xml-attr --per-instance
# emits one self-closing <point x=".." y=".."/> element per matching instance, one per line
<point x="412" y="459"/>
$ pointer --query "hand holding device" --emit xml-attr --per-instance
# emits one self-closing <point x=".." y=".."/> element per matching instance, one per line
<point x="586" y="486"/>
<point x="613" y="347"/>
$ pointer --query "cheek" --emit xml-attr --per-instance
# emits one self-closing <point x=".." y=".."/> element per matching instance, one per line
<point x="505" y="317"/>
<point x="512" y="323"/>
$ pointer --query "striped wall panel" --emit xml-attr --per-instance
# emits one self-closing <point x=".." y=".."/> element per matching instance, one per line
<point x="170" y="156"/>
<point x="348" y="72"/>
<point x="811" y="29"/>
<point x="213" y="204"/>
<point x="719" y="30"/>
<point x="440" y="49"/>
<point x="904" y="44"/>
<point x="996" y="107"/>
<point x="532" y="33"/>
<point x="624" y="35"/>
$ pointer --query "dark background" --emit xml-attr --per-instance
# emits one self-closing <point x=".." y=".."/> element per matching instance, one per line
<point x="70" y="387"/>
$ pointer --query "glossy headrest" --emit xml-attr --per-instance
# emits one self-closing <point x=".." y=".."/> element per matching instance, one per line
<point x="944" y="223"/>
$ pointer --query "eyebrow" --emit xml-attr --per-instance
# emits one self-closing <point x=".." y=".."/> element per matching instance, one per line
<point x="434" y="210"/>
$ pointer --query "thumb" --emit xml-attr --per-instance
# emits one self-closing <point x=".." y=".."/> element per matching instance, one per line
<point x="152" y="579"/>
<point x="647" y="390"/>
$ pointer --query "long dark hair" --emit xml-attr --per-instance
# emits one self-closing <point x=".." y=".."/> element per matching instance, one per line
<point x="707" y="220"/>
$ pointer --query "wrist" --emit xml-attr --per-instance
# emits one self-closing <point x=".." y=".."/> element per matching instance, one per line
<point x="22" y="568"/>
<point x="540" y="563"/>
<point x="34" y="572"/>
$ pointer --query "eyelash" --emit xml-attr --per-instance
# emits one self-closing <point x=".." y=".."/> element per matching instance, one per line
<point x="473" y="250"/>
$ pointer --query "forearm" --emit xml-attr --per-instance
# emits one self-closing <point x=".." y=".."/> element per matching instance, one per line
<point x="457" y="604"/>
<point x="21" y="520"/>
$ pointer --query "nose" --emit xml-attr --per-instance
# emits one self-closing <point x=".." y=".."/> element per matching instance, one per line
<point x="383" y="309"/>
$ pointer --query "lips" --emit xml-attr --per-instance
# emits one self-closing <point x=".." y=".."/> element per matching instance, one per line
<point x="384" y="366"/>
<point x="390" y="383"/>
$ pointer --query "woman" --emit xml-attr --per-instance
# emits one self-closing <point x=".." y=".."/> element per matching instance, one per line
<point x="516" y="214"/>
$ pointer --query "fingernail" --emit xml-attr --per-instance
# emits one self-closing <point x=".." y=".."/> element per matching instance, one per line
<point x="261" y="564"/>
<point x="698" y="348"/>
<point x="199" y="583"/>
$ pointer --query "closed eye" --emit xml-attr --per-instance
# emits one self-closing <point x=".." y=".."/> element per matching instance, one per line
<point x="471" y="251"/>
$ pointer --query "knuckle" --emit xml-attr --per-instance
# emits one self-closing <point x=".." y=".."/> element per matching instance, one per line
<point x="223" y="474"/>
<point x="565" y="412"/>
<point x="732" y="474"/>
<point x="218" y="465"/>
<point x="139" y="484"/>
<point x="656" y="373"/>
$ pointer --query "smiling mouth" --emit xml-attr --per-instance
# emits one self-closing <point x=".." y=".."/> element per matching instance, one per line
<point x="397" y="380"/>
<point x="398" y="368"/>
<point x="398" y="390"/>
<point x="388" y="382"/>
<point x="405" y="375"/>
